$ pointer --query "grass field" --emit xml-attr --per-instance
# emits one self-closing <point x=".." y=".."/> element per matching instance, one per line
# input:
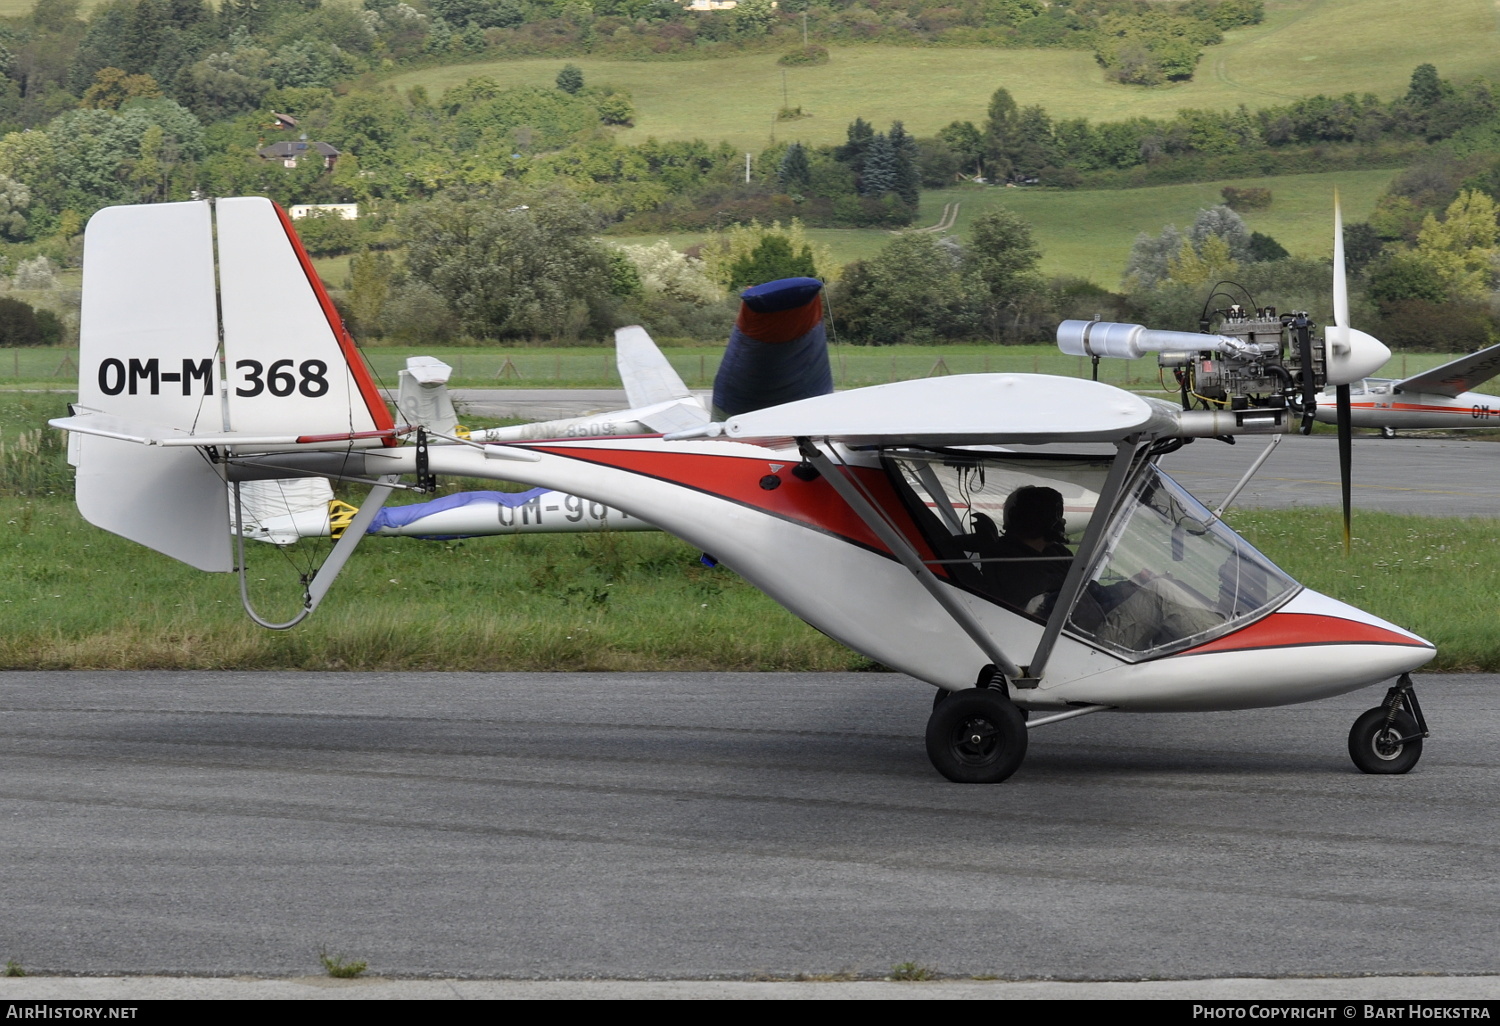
<point x="594" y="367"/>
<point x="593" y="602"/>
<point x="1303" y="47"/>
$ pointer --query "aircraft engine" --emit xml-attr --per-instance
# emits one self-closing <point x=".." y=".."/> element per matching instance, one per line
<point x="1244" y="357"/>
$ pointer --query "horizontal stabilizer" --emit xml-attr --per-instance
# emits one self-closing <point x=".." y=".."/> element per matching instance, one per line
<point x="125" y="429"/>
<point x="679" y="416"/>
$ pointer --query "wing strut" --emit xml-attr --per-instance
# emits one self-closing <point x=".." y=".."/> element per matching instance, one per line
<point x="1093" y="537"/>
<point x="1235" y="491"/>
<point x="323" y="579"/>
<point x="908" y="557"/>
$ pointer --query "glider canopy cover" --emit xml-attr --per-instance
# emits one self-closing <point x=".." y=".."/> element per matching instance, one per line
<point x="778" y="349"/>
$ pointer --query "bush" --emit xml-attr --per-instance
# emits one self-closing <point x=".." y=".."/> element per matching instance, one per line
<point x="416" y="315"/>
<point x="327" y="233"/>
<point x="1417" y="324"/>
<point x="36" y="273"/>
<point x="18" y="324"/>
<point x="570" y="78"/>
<point x="804" y="55"/>
<point x="1264" y="248"/>
<point x="50" y="327"/>
<point x="1249" y="198"/>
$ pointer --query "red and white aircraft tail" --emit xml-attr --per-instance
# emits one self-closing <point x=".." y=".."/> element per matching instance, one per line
<point x="203" y="326"/>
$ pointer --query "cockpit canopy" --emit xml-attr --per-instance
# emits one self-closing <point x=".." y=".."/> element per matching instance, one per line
<point x="1164" y="575"/>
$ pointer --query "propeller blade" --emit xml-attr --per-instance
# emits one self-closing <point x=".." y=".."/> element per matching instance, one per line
<point x="1340" y="281"/>
<point x="1346" y="454"/>
<point x="1351" y="354"/>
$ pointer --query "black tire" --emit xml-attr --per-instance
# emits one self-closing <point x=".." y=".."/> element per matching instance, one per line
<point x="1387" y="432"/>
<point x="976" y="736"/>
<point x="943" y="693"/>
<point x="1370" y="747"/>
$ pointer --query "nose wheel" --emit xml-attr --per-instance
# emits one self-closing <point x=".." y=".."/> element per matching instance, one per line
<point x="1388" y="738"/>
<point x="976" y="736"/>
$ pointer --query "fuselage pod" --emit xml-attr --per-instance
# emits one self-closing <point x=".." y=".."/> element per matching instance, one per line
<point x="1171" y="610"/>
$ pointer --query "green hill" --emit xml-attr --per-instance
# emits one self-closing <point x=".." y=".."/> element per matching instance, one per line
<point x="1088" y="232"/>
<point x="1303" y="47"/>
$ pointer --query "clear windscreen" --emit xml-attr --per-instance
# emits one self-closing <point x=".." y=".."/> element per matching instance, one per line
<point x="1170" y="575"/>
<point x="1167" y="576"/>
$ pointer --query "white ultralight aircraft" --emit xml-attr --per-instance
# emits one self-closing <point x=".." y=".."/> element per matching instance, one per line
<point x="1257" y="357"/>
<point x="854" y="510"/>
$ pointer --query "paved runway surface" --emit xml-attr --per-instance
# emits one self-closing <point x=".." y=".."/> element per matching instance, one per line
<point x="1429" y="476"/>
<point x="1450" y="990"/>
<point x="701" y="825"/>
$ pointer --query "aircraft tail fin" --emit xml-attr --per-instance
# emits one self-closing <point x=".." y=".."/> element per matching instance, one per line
<point x="422" y="397"/>
<point x="203" y="326"/>
<point x="649" y="379"/>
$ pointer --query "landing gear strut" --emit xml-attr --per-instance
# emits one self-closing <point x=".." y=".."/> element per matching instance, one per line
<point x="1388" y="738"/>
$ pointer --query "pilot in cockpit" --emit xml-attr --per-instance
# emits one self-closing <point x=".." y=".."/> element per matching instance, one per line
<point x="1031" y="563"/>
<point x="1034" y="536"/>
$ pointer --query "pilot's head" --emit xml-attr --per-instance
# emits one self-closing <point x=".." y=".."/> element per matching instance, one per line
<point x="1035" y="511"/>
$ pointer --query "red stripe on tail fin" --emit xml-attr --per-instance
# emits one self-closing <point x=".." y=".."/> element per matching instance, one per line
<point x="379" y="412"/>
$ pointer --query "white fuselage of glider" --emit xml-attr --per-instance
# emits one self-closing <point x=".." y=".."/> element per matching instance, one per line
<point x="1382" y="403"/>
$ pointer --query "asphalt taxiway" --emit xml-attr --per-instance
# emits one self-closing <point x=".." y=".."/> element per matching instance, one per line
<point x="701" y="826"/>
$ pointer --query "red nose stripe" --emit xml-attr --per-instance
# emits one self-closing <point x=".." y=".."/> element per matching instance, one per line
<point x="1289" y="630"/>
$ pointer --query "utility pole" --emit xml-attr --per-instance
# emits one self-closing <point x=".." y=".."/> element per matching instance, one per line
<point x="747" y="169"/>
<point x="804" y="26"/>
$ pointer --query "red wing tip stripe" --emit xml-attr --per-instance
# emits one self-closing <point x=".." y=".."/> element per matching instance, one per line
<point x="1289" y="630"/>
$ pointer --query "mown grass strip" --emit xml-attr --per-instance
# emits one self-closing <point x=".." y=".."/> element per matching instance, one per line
<point x="1330" y="47"/>
<point x="72" y="596"/>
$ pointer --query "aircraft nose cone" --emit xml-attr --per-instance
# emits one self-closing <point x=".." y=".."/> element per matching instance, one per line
<point x="1353" y="354"/>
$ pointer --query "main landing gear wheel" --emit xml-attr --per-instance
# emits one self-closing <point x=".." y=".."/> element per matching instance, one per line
<point x="1387" y="432"/>
<point x="1377" y="747"/>
<point x="976" y="736"/>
